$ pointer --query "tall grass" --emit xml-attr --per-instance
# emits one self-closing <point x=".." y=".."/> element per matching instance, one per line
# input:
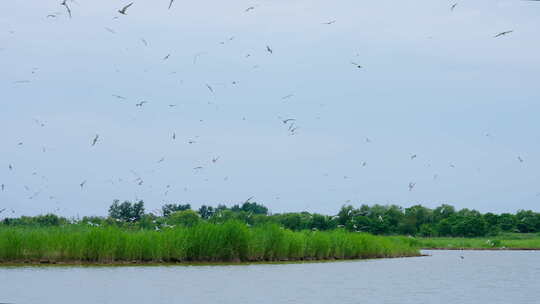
<point x="505" y="241"/>
<point x="205" y="242"/>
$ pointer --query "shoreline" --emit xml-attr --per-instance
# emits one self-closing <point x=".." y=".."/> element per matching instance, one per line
<point x="45" y="263"/>
<point x="484" y="249"/>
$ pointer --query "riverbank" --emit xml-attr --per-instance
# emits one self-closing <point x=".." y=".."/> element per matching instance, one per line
<point x="231" y="242"/>
<point x="502" y="242"/>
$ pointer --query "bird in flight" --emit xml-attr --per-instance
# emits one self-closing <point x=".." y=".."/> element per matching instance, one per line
<point x="144" y="42"/>
<point x="250" y="8"/>
<point x="67" y="7"/>
<point x="520" y="159"/>
<point x="123" y="9"/>
<point x="170" y="4"/>
<point x="94" y="141"/>
<point x="288" y="119"/>
<point x="330" y="22"/>
<point x="364" y="164"/>
<point x="197" y="168"/>
<point x="269" y="49"/>
<point x="453" y="6"/>
<point x="413" y="156"/>
<point x="210" y="88"/>
<point x="140" y="104"/>
<point x="82" y="184"/>
<point x="356" y="65"/>
<point x="368" y="140"/>
<point x="118" y="96"/>
<point x="2" y="186"/>
<point x="215" y="159"/>
<point x="174" y="135"/>
<point x="161" y="160"/>
<point x="287" y="96"/>
<point x="411" y="186"/>
<point x="110" y="30"/>
<point x="503" y="33"/>
<point x="10" y="167"/>
<point x="167" y="57"/>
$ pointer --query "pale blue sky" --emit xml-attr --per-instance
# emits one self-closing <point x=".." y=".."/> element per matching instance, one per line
<point x="434" y="82"/>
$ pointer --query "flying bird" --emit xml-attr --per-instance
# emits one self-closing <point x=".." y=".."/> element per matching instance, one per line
<point x="287" y="96"/>
<point x="123" y="9"/>
<point x="215" y="159"/>
<point x="503" y="33"/>
<point x="520" y="159"/>
<point x="118" y="96"/>
<point x="10" y="167"/>
<point x="82" y="184"/>
<point x="330" y="22"/>
<point x="167" y="57"/>
<point x="161" y="160"/>
<point x="174" y="135"/>
<point x="413" y="156"/>
<point x="250" y="8"/>
<point x="269" y="49"/>
<point x="210" y="88"/>
<point x="364" y="164"/>
<point x="144" y="42"/>
<point x="67" y="7"/>
<point x="356" y="64"/>
<point x="94" y="141"/>
<point x="288" y="119"/>
<point x="170" y="4"/>
<point x="140" y="104"/>
<point x="453" y="6"/>
<point x="2" y="186"/>
<point x="411" y="186"/>
<point x="110" y="30"/>
<point x="197" y="168"/>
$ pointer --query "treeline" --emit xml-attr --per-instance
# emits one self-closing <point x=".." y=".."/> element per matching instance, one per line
<point x="417" y="220"/>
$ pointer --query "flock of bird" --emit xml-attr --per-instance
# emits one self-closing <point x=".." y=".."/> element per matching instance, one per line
<point x="290" y="123"/>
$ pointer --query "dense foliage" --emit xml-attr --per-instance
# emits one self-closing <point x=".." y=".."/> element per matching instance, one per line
<point x="443" y="221"/>
<point x="233" y="241"/>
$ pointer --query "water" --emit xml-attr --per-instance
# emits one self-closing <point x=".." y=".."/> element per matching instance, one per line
<point x="481" y="277"/>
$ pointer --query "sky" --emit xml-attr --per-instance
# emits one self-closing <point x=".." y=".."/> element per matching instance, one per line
<point x="433" y="82"/>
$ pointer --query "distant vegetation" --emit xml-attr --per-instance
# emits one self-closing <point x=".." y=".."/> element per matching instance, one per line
<point x="443" y="221"/>
<point x="518" y="241"/>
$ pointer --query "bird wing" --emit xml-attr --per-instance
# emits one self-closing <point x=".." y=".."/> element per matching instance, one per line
<point x="127" y="6"/>
<point x="170" y="4"/>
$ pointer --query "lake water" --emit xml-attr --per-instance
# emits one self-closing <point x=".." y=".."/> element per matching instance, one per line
<point x="481" y="277"/>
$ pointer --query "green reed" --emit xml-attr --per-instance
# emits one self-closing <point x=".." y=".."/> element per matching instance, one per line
<point x="205" y="242"/>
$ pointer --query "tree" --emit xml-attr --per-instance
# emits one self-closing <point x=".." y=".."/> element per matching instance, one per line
<point x="206" y="212"/>
<point x="171" y="208"/>
<point x="254" y="208"/>
<point x="186" y="218"/>
<point x="126" y="211"/>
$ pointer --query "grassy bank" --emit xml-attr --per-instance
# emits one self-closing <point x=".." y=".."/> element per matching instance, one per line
<point x="205" y="242"/>
<point x="509" y="241"/>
